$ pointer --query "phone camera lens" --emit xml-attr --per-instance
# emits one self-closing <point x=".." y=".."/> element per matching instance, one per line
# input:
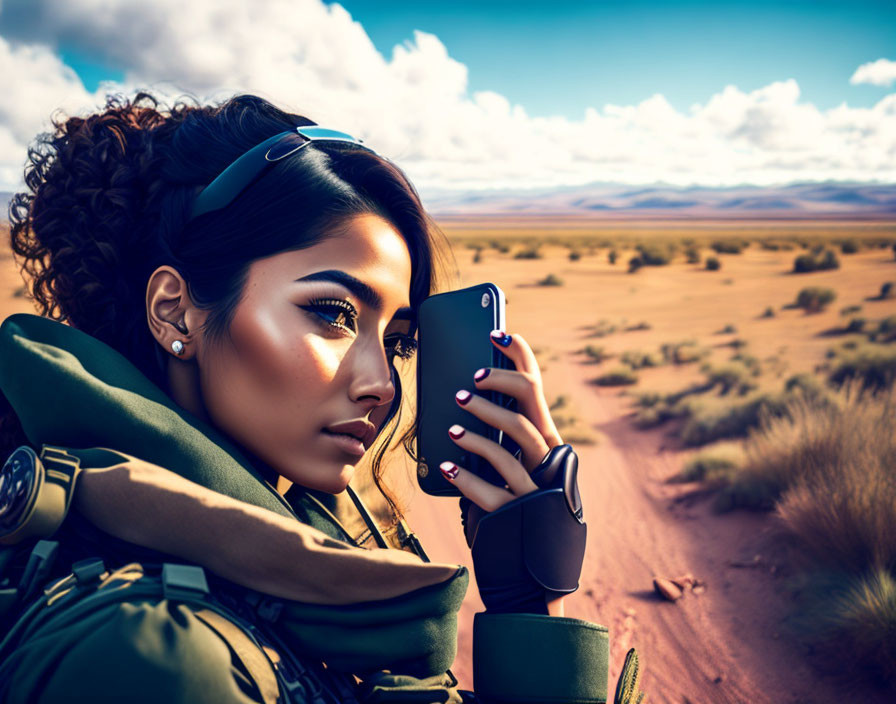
<point x="486" y="299"/>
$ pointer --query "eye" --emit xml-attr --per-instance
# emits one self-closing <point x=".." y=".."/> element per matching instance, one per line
<point x="401" y="346"/>
<point x="334" y="312"/>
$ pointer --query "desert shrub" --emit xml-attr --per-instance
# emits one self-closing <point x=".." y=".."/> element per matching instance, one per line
<point x="828" y="467"/>
<point x="550" y="280"/>
<point x="849" y="246"/>
<point x="855" y="325"/>
<point x="477" y="257"/>
<point x="602" y="328"/>
<point x="652" y="416"/>
<point x="816" y="261"/>
<point x="683" y="352"/>
<point x="872" y="366"/>
<point x="595" y="353"/>
<point x="612" y="256"/>
<point x="529" y="253"/>
<point x="729" y="420"/>
<point x="806" y="384"/>
<point x="634" y="264"/>
<point x="851" y="622"/>
<point x="643" y="325"/>
<point x="713" y="264"/>
<point x="886" y="290"/>
<point x="713" y="463"/>
<point x="829" y="260"/>
<point x="768" y="313"/>
<point x="733" y="376"/>
<point x="692" y="254"/>
<point x="804" y="263"/>
<point x="850" y="310"/>
<point x="886" y="329"/>
<point x="751" y="362"/>
<point x="500" y="246"/>
<point x="731" y="246"/>
<point x="727" y="329"/>
<point x="648" y="399"/>
<point x="776" y="245"/>
<point x="815" y="298"/>
<point x="620" y="376"/>
<point x="636" y="359"/>
<point x="656" y="254"/>
<point x="574" y="255"/>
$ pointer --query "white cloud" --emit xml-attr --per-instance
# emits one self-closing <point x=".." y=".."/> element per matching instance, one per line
<point x="878" y="73"/>
<point x="415" y="106"/>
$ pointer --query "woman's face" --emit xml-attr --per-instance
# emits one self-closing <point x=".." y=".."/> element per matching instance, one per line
<point x="309" y="351"/>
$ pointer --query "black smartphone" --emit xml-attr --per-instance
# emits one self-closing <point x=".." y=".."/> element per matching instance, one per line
<point x="453" y="342"/>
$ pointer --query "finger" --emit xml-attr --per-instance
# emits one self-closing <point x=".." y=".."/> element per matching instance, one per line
<point x="516" y="425"/>
<point x="513" y="472"/>
<point x="517" y="349"/>
<point x="529" y="393"/>
<point x="482" y="493"/>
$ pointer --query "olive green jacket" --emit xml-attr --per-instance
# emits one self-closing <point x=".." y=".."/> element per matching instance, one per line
<point x="73" y="391"/>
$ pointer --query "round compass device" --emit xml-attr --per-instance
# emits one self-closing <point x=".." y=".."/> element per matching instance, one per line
<point x="35" y="493"/>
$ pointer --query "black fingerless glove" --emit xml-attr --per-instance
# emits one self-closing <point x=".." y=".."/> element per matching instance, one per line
<point x="531" y="548"/>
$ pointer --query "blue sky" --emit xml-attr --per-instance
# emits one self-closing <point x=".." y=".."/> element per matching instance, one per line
<point x="561" y="57"/>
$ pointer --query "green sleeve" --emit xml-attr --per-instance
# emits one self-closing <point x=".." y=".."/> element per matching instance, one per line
<point x="412" y="634"/>
<point x="521" y="658"/>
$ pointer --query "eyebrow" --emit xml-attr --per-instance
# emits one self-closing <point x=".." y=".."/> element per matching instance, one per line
<point x="365" y="293"/>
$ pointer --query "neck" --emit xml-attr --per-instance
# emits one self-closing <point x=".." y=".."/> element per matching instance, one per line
<point x="184" y="388"/>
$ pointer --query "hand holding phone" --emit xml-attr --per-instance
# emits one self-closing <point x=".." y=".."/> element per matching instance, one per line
<point x="453" y="344"/>
<point x="506" y="425"/>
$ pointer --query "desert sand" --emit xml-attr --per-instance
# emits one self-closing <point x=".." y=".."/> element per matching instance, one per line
<point x="730" y="642"/>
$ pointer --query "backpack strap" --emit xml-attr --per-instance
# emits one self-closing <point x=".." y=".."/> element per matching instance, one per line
<point x="256" y="661"/>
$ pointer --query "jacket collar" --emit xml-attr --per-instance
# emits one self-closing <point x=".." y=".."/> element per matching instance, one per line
<point x="72" y="390"/>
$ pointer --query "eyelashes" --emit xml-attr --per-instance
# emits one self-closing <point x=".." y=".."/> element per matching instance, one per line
<point x="335" y="312"/>
<point x="341" y="314"/>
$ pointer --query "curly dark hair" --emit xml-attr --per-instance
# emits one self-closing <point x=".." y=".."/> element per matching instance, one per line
<point x="109" y="195"/>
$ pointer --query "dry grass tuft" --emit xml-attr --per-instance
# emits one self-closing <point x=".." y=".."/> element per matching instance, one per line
<point x="827" y="467"/>
<point x="715" y="463"/>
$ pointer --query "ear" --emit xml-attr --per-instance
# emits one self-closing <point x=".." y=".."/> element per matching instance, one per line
<point x="170" y="312"/>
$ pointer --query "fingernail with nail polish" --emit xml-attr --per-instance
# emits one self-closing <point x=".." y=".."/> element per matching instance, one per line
<point x="481" y="374"/>
<point x="456" y="431"/>
<point x="448" y="469"/>
<point x="501" y="337"/>
<point x="463" y="397"/>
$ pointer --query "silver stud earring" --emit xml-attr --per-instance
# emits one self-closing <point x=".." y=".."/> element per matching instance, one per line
<point x="177" y="346"/>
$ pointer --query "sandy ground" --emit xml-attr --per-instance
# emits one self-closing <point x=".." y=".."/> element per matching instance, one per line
<point x="728" y="644"/>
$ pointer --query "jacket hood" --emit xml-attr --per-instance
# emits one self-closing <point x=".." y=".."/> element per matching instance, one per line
<point x="70" y="389"/>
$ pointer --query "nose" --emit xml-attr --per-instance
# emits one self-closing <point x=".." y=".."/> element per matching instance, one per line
<point x="373" y="383"/>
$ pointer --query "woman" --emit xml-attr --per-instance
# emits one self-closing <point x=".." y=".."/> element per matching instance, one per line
<point x="224" y="340"/>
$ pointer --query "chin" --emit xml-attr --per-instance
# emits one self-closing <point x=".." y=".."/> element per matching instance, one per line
<point x="332" y="484"/>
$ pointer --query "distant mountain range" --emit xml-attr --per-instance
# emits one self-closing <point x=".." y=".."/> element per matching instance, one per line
<point x="799" y="200"/>
<point x="662" y="201"/>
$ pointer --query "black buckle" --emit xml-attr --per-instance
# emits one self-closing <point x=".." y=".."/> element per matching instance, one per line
<point x="183" y="582"/>
<point x="88" y="571"/>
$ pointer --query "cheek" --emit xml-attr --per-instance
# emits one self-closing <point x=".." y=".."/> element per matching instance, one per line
<point x="272" y="367"/>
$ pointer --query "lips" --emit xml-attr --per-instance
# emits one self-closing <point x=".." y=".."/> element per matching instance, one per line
<point x="363" y="430"/>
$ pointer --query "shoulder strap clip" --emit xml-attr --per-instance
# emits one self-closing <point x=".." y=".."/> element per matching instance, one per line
<point x="183" y="582"/>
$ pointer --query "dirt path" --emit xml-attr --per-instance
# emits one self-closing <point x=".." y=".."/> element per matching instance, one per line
<point x="728" y="644"/>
